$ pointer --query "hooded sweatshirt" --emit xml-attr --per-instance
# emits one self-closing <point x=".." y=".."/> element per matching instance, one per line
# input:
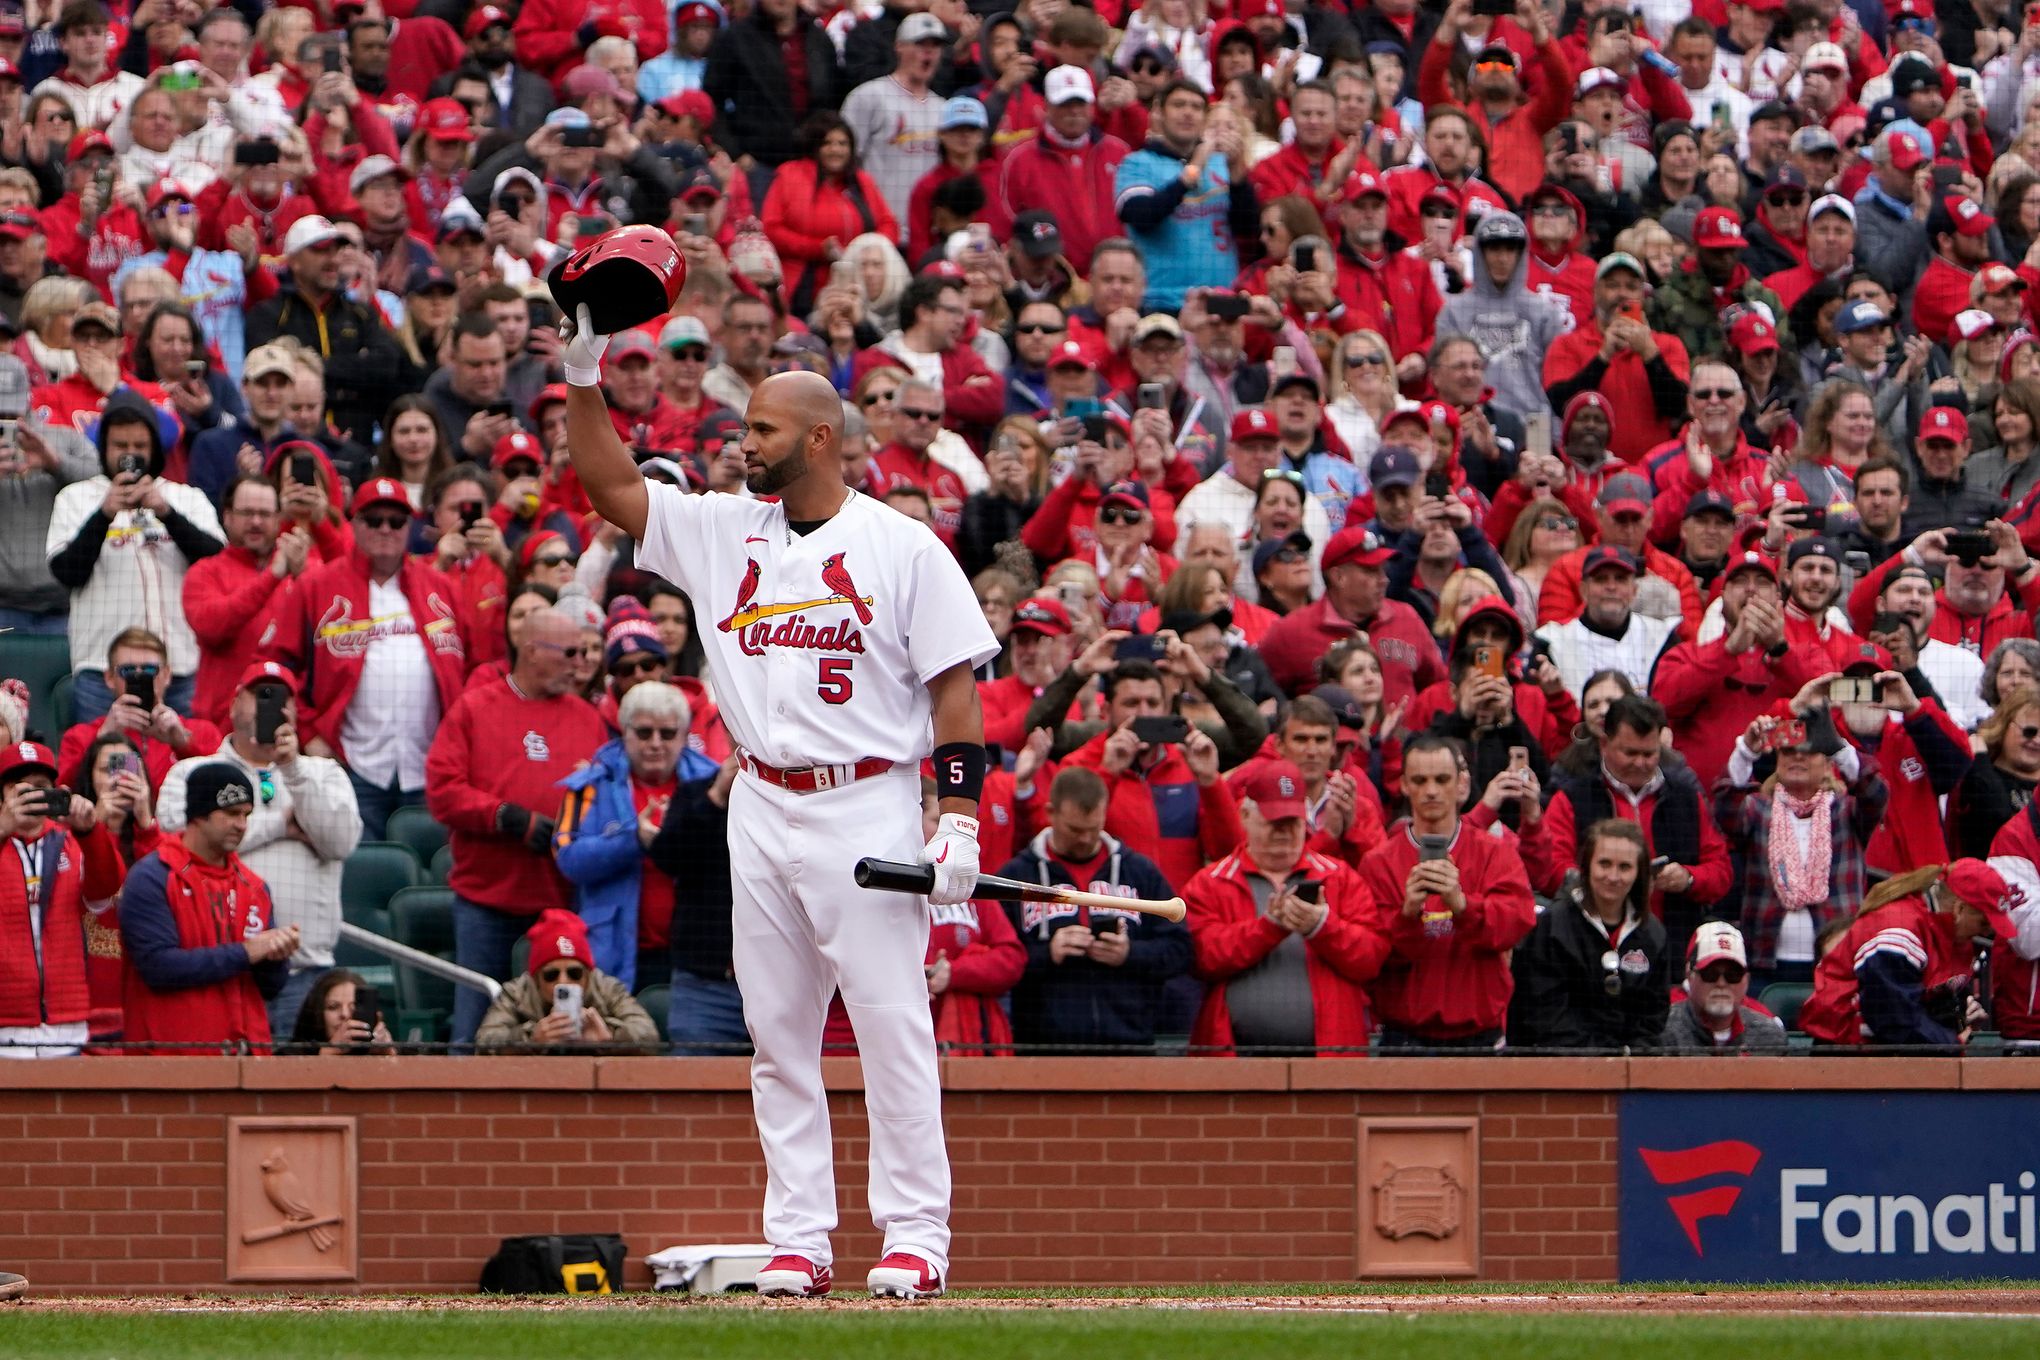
<point x="127" y="570"/>
<point x="1566" y="274"/>
<point x="1513" y="326"/>
<point x="26" y="504"/>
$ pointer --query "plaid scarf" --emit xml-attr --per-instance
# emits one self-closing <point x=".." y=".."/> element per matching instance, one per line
<point x="1801" y="871"/>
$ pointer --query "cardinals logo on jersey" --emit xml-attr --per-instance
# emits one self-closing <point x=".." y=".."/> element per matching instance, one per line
<point x="749" y="618"/>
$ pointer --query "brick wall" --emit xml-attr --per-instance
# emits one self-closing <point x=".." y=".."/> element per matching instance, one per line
<point x="1097" y="1171"/>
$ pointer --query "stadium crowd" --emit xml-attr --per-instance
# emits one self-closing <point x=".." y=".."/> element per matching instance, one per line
<point x="1524" y="516"/>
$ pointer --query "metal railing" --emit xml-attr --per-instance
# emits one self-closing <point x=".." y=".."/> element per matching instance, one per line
<point x="422" y="961"/>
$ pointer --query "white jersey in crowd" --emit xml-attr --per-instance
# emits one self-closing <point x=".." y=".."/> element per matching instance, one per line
<point x="821" y="644"/>
<point x="1578" y="651"/>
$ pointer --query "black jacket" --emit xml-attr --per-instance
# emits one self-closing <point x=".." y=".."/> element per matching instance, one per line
<point x="1078" y="1002"/>
<point x="361" y="357"/>
<point x="746" y="77"/>
<point x="693" y="849"/>
<point x="1562" y="998"/>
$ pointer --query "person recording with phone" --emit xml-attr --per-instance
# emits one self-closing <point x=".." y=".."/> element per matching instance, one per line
<point x="137" y="674"/>
<point x="301" y="827"/>
<point x="562" y="1001"/>
<point x="1643" y="373"/>
<point x="1453" y="903"/>
<point x="1990" y="587"/>
<point x="1803" y="834"/>
<point x="1947" y="486"/>
<point x="341" y="1015"/>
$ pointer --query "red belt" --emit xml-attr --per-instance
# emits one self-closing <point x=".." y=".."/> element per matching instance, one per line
<point x="813" y="778"/>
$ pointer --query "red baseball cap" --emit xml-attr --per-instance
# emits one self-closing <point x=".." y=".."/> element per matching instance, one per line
<point x="1259" y="9"/>
<point x="269" y="673"/>
<point x="483" y="19"/>
<point x="1276" y="789"/>
<point x="688" y="104"/>
<point x="547" y="395"/>
<point x="1718" y="229"/>
<point x="1870" y="659"/>
<point x="1749" y="559"/>
<point x="1984" y="888"/>
<point x="1965" y="217"/>
<point x="1994" y="278"/>
<point x="27" y="755"/>
<point x="87" y="142"/>
<point x="1043" y="614"/>
<point x="1362" y="183"/>
<point x="381" y="491"/>
<point x="1252" y="423"/>
<point x="1752" y="334"/>
<point x="1944" y="423"/>
<point x="445" y="120"/>
<point x="1357" y="546"/>
<point x="1906" y="152"/>
<point x="516" y="444"/>
<point x="694" y="12"/>
<point x="163" y="189"/>
<point x="1069" y="354"/>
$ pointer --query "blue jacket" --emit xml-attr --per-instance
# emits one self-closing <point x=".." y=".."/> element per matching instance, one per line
<point x="597" y="850"/>
<point x="216" y="453"/>
<point x="1079" y="1002"/>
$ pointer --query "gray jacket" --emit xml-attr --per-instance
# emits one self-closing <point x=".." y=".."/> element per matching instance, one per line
<point x="25" y="504"/>
<point x="1761" y="1034"/>
<point x="1514" y="327"/>
<point x="1893" y="248"/>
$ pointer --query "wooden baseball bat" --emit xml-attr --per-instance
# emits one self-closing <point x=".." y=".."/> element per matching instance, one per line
<point x="888" y="875"/>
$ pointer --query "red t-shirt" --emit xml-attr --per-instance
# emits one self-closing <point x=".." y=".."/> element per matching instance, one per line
<point x="655" y="890"/>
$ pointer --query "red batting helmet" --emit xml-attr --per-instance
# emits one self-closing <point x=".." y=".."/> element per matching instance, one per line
<point x="627" y="277"/>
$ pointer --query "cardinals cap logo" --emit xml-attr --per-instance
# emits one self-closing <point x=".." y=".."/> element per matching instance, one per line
<point x="565" y="945"/>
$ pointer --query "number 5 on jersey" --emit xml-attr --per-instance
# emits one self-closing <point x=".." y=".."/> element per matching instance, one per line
<point x="832" y="680"/>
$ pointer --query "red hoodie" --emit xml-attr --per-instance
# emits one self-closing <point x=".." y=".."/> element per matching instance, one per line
<point x="50" y="986"/>
<point x="1447" y="977"/>
<point x="1229" y="936"/>
<point x="1075" y="183"/>
<point x="1625" y="384"/>
<point x="1515" y="141"/>
<point x="229" y="599"/>
<point x="1163" y="813"/>
<point x="1566" y="274"/>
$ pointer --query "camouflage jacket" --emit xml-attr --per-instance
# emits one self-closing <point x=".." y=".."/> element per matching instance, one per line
<point x="1685" y="307"/>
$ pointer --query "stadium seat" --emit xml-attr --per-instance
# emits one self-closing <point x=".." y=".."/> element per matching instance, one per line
<point x="1783" y="999"/>
<point x="657" y="999"/>
<point x="413" y="826"/>
<point x="40" y="663"/>
<point x="422" y="917"/>
<point x="63" y="703"/>
<point x="441" y="865"/>
<point x="373" y="874"/>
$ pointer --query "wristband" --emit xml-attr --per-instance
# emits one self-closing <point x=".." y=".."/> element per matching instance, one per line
<point x="582" y="377"/>
<point x="959" y="770"/>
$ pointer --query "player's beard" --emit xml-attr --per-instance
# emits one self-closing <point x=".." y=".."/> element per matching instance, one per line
<point x="776" y="477"/>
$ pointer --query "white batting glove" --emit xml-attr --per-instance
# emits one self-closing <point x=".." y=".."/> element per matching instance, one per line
<point x="582" y="361"/>
<point x="954" y="853"/>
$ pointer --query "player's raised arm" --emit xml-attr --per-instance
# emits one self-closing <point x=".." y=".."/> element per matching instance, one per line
<point x="615" y="486"/>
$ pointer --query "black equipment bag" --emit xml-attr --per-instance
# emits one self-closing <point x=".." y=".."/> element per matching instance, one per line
<point x="569" y="1263"/>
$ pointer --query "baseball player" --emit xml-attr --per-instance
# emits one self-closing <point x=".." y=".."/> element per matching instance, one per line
<point x="841" y="636"/>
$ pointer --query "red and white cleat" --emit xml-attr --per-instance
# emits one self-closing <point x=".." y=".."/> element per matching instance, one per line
<point x="793" y="1277"/>
<point x="903" y="1275"/>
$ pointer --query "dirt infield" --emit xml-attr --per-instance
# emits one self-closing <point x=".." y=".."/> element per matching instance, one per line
<point x="1966" y="1302"/>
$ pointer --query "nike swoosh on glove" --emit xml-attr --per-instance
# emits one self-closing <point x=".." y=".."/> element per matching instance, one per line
<point x="953" y="851"/>
<point x="582" y="362"/>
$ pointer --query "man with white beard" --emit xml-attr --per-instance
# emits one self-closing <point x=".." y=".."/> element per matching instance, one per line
<point x="1716" y="1016"/>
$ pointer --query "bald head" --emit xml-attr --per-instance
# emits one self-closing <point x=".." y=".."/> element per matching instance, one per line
<point x="542" y="664"/>
<point x="794" y="428"/>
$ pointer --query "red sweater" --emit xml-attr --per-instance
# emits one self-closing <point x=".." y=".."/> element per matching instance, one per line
<point x="322" y="633"/>
<point x="1409" y="654"/>
<point x="547" y="31"/>
<point x="497" y="747"/>
<point x="1163" y="813"/>
<point x="804" y="211"/>
<point x="1394" y="296"/>
<point x="986" y="959"/>
<point x="1447" y="977"/>
<point x="1074" y="184"/>
<point x="1638" y="429"/>
<point x="1740" y="477"/>
<point x="898" y="465"/>
<point x="229" y="600"/>
<point x="1005" y="702"/>
<point x="157" y="756"/>
<point x="1515" y="154"/>
<point x="116" y="236"/>
<point x="52" y="990"/>
<point x="1229" y="936"/>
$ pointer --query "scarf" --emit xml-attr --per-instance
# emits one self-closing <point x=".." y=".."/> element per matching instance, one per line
<point x="1801" y="875"/>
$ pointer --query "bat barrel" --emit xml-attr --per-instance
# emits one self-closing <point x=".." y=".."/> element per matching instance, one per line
<point x="887" y="875"/>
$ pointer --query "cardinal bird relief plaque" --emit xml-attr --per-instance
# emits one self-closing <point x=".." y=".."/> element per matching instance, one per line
<point x="291" y="1210"/>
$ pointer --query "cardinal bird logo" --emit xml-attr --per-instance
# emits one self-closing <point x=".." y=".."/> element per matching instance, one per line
<point x="746" y="588"/>
<point x="287" y="1193"/>
<point x="836" y="577"/>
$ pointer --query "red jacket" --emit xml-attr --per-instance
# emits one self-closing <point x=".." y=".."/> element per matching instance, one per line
<point x="1740" y="477"/>
<point x="2010" y="615"/>
<point x="323" y="634"/>
<point x="1408" y="652"/>
<point x="1076" y="185"/>
<point x="1637" y="427"/>
<point x="497" y="747"/>
<point x="1006" y="820"/>
<point x="1906" y="937"/>
<point x="1065" y="523"/>
<point x="547" y="31"/>
<point x="229" y="599"/>
<point x="189" y="979"/>
<point x="898" y="465"/>
<point x="1005" y="702"/>
<point x="479" y="585"/>
<point x="1447" y="977"/>
<point x="2015" y="981"/>
<point x="221" y="205"/>
<point x="1229" y="936"/>
<point x="1941" y="293"/>
<point x="118" y="235"/>
<point x="986" y="959"/>
<point x="1711" y="697"/>
<point x="1515" y="142"/>
<point x="803" y="212"/>
<point x="1394" y="296"/>
<point x="52" y="989"/>
<point x="1361" y="835"/>
<point x="971" y="395"/>
<point x="1288" y="171"/>
<point x="1163" y="813"/>
<point x="1407" y="185"/>
<point x="203" y="738"/>
<point x="1922" y="760"/>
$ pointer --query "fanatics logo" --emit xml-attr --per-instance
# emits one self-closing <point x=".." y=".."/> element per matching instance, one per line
<point x="1686" y="1165"/>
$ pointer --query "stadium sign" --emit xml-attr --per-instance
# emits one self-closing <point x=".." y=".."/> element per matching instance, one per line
<point x="1813" y="1187"/>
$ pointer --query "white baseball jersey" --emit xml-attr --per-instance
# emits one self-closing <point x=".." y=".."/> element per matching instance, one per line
<point x="822" y="645"/>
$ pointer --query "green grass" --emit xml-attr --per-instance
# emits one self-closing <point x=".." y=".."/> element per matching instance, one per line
<point x="926" y="1334"/>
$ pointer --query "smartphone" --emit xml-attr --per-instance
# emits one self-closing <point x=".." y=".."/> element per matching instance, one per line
<point x="55" y="802"/>
<point x="367" y="1005"/>
<point x="1140" y="647"/>
<point x="304" y="469"/>
<point x="1537" y="432"/>
<point x="1152" y="397"/>
<point x="130" y="465"/>
<point x="1497" y="8"/>
<point x="126" y="762"/>
<point x="329" y="60"/>
<point x="1947" y="177"/>
<point x="471" y="514"/>
<point x="1968" y="546"/>
<point x="143" y="687"/>
<point x="1434" y="847"/>
<point x="269" y="702"/>
<point x="1487" y="659"/>
<point x="1658" y="863"/>
<point x="1083" y="406"/>
<point x="842" y="274"/>
<point x="1161" y="729"/>
<point x="980" y="236"/>
<point x="1095" y="427"/>
<point x="1812" y="517"/>
<point x="1852" y="689"/>
<point x="1108" y="925"/>
<point x="1962" y="80"/>
<point x="1312" y="891"/>
<point x="696" y="224"/>
<point x="1437" y="485"/>
<point x="1306" y="257"/>
<point x="1283" y="362"/>
<point x="261" y="152"/>
<point x="567" y="998"/>
<point x="499" y="408"/>
<point x="1784" y="735"/>
<point x="194" y="368"/>
<point x="1228" y="308"/>
<point x="1857" y="561"/>
<point x="1519" y="757"/>
<point x="540" y="315"/>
